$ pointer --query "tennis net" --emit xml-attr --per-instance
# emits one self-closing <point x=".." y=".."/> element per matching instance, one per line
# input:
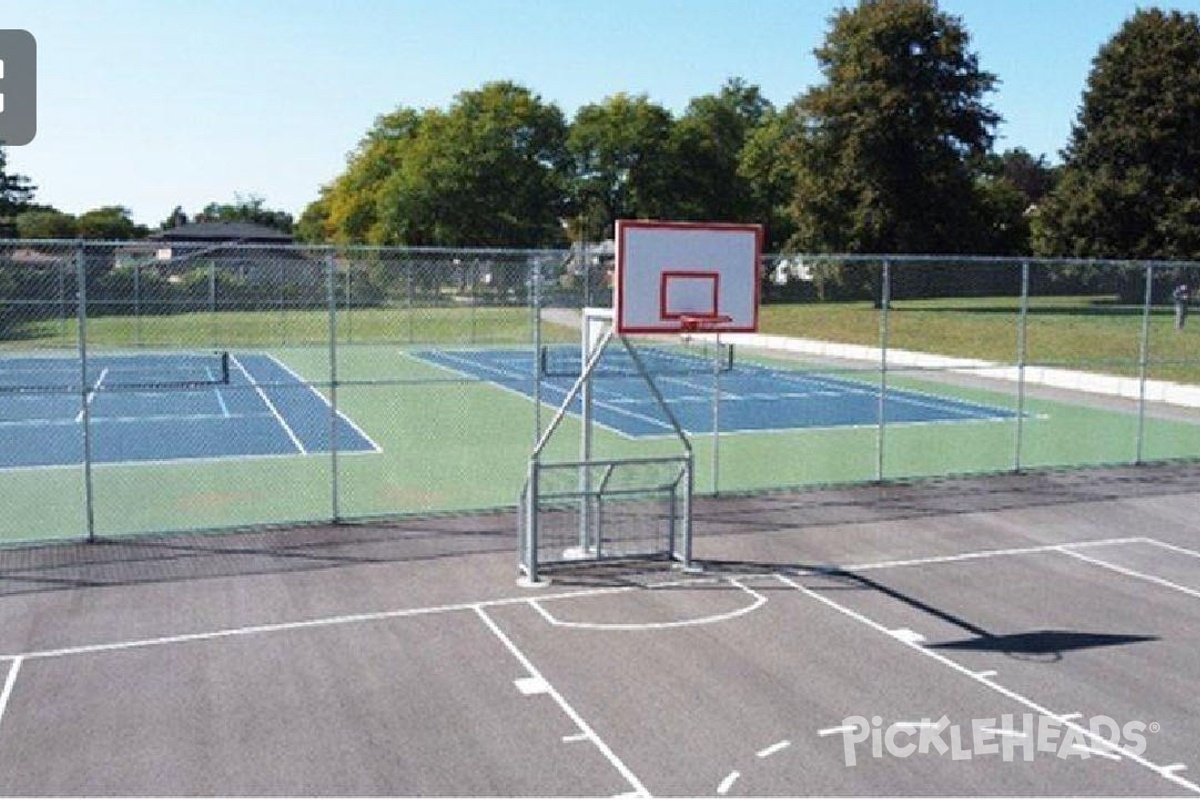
<point x="686" y="358"/>
<point x="148" y="372"/>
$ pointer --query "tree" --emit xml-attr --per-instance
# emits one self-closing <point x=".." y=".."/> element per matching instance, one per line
<point x="486" y="172"/>
<point x="112" y="223"/>
<point x="16" y="194"/>
<point x="313" y="226"/>
<point x="45" y="223"/>
<point x="1130" y="182"/>
<point x="889" y="142"/>
<point x="621" y="163"/>
<point x="767" y="164"/>
<point x="245" y="209"/>
<point x="707" y="143"/>
<point x="177" y="219"/>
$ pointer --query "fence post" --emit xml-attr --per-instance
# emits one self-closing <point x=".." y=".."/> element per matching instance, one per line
<point x="536" y="302"/>
<point x="885" y="304"/>
<point x="85" y="412"/>
<point x="212" y="301"/>
<point x="137" y="302"/>
<point x="1022" y="356"/>
<point x="1143" y="364"/>
<point x="331" y="290"/>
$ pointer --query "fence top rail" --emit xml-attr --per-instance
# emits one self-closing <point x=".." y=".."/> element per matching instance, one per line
<point x="564" y="251"/>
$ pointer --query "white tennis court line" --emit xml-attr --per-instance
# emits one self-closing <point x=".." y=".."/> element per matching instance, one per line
<point x="354" y="425"/>
<point x="546" y="402"/>
<point x="87" y="400"/>
<point x="1098" y="741"/>
<point x="9" y="682"/>
<point x="1131" y="573"/>
<point x="275" y="411"/>
<point x="184" y="460"/>
<point x="217" y="389"/>
<point x="579" y="721"/>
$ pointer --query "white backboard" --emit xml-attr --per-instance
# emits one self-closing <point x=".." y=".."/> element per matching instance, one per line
<point x="666" y="271"/>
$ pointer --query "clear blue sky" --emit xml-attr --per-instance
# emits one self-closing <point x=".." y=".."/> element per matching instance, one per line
<point x="156" y="103"/>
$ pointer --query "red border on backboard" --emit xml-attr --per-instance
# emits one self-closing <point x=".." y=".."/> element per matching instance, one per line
<point x="624" y="225"/>
<point x="665" y="313"/>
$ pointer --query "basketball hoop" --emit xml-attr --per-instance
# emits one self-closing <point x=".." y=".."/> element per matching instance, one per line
<point x="703" y="323"/>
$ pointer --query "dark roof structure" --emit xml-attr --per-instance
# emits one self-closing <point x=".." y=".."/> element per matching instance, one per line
<point x="244" y="232"/>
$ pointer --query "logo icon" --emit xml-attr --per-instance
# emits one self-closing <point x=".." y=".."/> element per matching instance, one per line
<point x="18" y="87"/>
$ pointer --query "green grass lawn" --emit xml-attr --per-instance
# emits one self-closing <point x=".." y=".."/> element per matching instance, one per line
<point x="1090" y="333"/>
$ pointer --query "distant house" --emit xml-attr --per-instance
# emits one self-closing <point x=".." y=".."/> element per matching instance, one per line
<point x="253" y="253"/>
<point x="230" y="232"/>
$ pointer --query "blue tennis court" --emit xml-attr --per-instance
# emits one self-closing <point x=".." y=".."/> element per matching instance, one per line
<point x="162" y="407"/>
<point x="753" y="397"/>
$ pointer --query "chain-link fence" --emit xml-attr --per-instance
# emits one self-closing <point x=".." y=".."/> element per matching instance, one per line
<point x="157" y="386"/>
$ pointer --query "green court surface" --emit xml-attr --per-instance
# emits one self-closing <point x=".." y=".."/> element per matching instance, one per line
<point x="451" y="443"/>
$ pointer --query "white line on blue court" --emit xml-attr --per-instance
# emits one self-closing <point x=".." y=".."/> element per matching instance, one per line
<point x="87" y="400"/>
<point x="552" y="387"/>
<point x="216" y="389"/>
<point x="1088" y="735"/>
<point x="325" y="400"/>
<point x="275" y="411"/>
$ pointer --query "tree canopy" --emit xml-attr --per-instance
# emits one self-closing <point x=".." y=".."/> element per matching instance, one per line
<point x="889" y="142"/>
<point x="1130" y="183"/>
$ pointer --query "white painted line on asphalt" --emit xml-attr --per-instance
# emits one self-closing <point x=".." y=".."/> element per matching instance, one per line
<point x="575" y="737"/>
<point x="534" y="685"/>
<point x="579" y="721"/>
<point x="838" y="729"/>
<point x="767" y="752"/>
<point x="728" y="783"/>
<point x="987" y="673"/>
<point x="758" y="601"/>
<point x="1131" y="572"/>
<point x="1173" y="547"/>
<point x="1012" y="551"/>
<point x="908" y="635"/>
<point x="9" y="683"/>
<point x="1085" y="733"/>
<point x="1095" y="751"/>
<point x="283" y="627"/>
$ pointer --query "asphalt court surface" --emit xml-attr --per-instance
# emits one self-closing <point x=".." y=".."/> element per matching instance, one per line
<point x="405" y="659"/>
<point x="753" y="397"/>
